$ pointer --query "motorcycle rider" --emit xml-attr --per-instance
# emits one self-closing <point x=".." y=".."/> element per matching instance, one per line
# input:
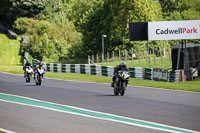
<point x="26" y="65"/>
<point x="122" y="66"/>
<point x="39" y="65"/>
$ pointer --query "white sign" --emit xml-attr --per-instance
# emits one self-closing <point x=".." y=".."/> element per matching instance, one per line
<point x="174" y="30"/>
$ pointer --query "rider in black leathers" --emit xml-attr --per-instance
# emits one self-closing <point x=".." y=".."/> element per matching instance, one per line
<point x="122" y="66"/>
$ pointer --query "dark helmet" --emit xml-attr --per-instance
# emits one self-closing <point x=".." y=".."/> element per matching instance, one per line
<point x="123" y="64"/>
<point x="28" y="63"/>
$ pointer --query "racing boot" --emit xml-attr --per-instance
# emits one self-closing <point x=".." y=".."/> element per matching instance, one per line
<point x="112" y="84"/>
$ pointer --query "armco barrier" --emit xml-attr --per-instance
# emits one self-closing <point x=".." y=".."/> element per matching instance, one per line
<point x="136" y="72"/>
<point x="160" y="74"/>
<point x="148" y="73"/>
<point x="174" y="76"/>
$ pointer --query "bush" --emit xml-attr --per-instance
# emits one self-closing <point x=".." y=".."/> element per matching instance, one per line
<point x="48" y="39"/>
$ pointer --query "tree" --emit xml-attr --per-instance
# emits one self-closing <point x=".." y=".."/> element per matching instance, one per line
<point x="181" y="9"/>
<point x="13" y="9"/>
<point x="4" y="8"/>
<point x="50" y="40"/>
<point x="112" y="18"/>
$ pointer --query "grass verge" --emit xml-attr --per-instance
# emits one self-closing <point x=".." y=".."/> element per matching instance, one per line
<point x="186" y="86"/>
<point x="157" y="63"/>
<point x="9" y="51"/>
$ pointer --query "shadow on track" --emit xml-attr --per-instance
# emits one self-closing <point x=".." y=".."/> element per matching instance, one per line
<point x="106" y="95"/>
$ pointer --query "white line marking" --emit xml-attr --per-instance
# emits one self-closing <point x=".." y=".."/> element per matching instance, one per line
<point x="138" y="125"/>
<point x="7" y="131"/>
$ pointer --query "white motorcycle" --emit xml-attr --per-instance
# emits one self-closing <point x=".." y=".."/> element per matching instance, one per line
<point x="39" y="75"/>
<point x="28" y="73"/>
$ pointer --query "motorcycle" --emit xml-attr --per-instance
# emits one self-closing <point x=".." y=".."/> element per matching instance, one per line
<point x="39" y="75"/>
<point x="121" y="82"/>
<point x="28" y="73"/>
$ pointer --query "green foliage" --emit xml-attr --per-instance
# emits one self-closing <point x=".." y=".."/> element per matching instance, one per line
<point x="112" y="18"/>
<point x="146" y="10"/>
<point x="13" y="9"/>
<point x="23" y="24"/>
<point x="181" y="9"/>
<point x="50" y="40"/>
<point x="191" y="14"/>
<point x="4" y="9"/>
<point x="54" y="10"/>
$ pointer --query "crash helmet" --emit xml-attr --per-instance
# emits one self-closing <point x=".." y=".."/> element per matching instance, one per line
<point x="123" y="64"/>
<point x="28" y="63"/>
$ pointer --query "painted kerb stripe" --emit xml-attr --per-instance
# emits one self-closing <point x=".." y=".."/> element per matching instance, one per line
<point x="90" y="113"/>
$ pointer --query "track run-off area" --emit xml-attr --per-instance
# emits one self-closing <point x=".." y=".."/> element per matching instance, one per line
<point x="71" y="106"/>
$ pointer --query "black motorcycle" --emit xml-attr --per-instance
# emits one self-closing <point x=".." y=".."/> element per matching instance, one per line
<point x="121" y="82"/>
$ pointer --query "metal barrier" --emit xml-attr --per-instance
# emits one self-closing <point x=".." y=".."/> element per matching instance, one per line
<point x="135" y="72"/>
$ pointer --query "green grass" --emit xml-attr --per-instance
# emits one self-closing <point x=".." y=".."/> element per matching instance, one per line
<point x="12" y="69"/>
<point x="9" y="51"/>
<point x="2" y="132"/>
<point x="187" y="86"/>
<point x="166" y="64"/>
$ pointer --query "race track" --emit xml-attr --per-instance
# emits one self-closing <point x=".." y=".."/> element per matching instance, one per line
<point x="174" y="108"/>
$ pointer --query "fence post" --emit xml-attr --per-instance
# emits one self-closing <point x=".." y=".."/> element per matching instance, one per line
<point x="97" y="57"/>
<point x="113" y="54"/>
<point x="102" y="57"/>
<point x="108" y="55"/>
<point x="93" y="58"/>
<point x="125" y="52"/>
<point x="146" y="56"/>
<point x="88" y="59"/>
<point x="149" y="56"/>
<point x="123" y="56"/>
<point x="119" y="54"/>
<point x="168" y="53"/>
<point x="164" y="52"/>
<point x="139" y="54"/>
<point x="154" y="58"/>
<point x="161" y="54"/>
<point x="132" y="54"/>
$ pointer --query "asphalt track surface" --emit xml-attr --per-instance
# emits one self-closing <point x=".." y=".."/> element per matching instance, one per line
<point x="174" y="108"/>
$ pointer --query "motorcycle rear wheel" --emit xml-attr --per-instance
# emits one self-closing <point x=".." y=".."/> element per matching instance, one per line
<point x="27" y="80"/>
<point x="116" y="92"/>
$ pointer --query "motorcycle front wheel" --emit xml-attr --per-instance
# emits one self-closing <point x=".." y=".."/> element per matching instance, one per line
<point x="116" y="92"/>
<point x="123" y="88"/>
<point x="39" y="80"/>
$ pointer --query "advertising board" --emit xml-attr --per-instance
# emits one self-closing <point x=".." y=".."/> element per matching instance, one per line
<point x="174" y="30"/>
